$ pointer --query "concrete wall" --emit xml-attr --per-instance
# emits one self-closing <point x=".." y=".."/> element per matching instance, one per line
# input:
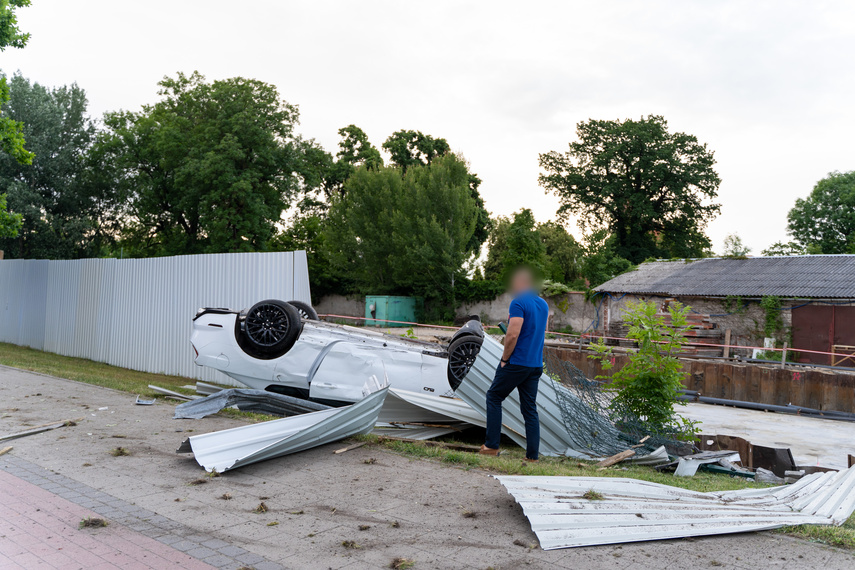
<point x="566" y="310"/>
<point x="350" y="306"/>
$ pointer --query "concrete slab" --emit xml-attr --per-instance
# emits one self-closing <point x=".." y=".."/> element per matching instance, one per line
<point x="812" y="441"/>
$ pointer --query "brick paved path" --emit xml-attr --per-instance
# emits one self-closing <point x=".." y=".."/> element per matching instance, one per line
<point x="40" y="513"/>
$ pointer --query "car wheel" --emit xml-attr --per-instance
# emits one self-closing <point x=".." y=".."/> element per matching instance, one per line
<point x="461" y="356"/>
<point x="306" y="311"/>
<point x="269" y="329"/>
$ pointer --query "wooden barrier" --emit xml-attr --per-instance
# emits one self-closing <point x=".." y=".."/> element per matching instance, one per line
<point x="766" y="384"/>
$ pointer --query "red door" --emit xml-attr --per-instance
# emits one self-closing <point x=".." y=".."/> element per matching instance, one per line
<point x="813" y="330"/>
<point x="844" y="334"/>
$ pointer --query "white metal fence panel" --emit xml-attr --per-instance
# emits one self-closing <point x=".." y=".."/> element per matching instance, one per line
<point x="23" y="285"/>
<point x="136" y="313"/>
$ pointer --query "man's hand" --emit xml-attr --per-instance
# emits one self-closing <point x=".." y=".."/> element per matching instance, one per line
<point x="511" y="336"/>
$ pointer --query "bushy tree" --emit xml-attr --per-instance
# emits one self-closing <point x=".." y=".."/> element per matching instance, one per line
<point x="824" y="222"/>
<point x="209" y="168"/>
<point x="11" y="131"/>
<point x="563" y="254"/>
<point x="60" y="211"/>
<point x="413" y="148"/>
<point x="512" y="243"/>
<point x="785" y="248"/>
<point x="547" y="248"/>
<point x="404" y="233"/>
<point x="734" y="246"/>
<point x="651" y="189"/>
<point x="600" y="261"/>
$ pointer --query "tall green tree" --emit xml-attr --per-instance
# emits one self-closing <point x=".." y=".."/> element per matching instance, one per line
<point x="354" y="150"/>
<point x="563" y="254"/>
<point x="404" y="233"/>
<point x="650" y="188"/>
<point x="514" y="242"/>
<point x="600" y="260"/>
<point x="60" y="219"/>
<point x="548" y="248"/>
<point x="413" y="148"/>
<point x="734" y="246"/>
<point x="11" y="131"/>
<point x="824" y="222"/>
<point x="209" y="168"/>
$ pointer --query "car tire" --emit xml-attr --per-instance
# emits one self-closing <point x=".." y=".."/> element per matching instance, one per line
<point x="306" y="311"/>
<point x="461" y="356"/>
<point x="268" y="329"/>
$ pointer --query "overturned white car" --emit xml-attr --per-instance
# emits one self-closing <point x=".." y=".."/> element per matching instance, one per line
<point x="282" y="347"/>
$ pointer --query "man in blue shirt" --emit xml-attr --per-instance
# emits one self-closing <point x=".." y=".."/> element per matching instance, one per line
<point x="521" y="365"/>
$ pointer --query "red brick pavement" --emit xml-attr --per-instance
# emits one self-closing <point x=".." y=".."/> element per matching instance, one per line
<point x="40" y="530"/>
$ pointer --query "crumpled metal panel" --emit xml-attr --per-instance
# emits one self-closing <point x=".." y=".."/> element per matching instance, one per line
<point x="236" y="447"/>
<point x="248" y="401"/>
<point x="629" y="510"/>
<point x="554" y="436"/>
<point x="799" y="276"/>
<point x="440" y="408"/>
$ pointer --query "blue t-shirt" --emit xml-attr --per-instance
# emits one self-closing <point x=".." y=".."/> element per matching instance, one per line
<point x="534" y="312"/>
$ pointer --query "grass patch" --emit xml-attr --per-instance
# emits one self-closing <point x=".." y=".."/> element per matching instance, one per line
<point x="401" y="563"/>
<point x="839" y="536"/>
<point x="119" y="452"/>
<point x="88" y="371"/>
<point x="261" y="508"/>
<point x="351" y="545"/>
<point x="249" y="417"/>
<point x="592" y="495"/>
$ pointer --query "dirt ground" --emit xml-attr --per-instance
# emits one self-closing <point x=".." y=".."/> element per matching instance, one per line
<point x="388" y="505"/>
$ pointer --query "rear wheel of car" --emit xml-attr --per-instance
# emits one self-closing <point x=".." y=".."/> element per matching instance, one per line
<point x="462" y="353"/>
<point x="306" y="310"/>
<point x="269" y="329"/>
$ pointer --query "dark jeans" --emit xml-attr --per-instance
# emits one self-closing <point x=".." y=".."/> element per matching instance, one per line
<point x="524" y="379"/>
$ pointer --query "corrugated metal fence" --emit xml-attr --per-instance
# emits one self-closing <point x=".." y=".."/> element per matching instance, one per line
<point x="136" y="313"/>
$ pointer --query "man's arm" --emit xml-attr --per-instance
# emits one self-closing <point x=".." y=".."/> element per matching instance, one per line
<point x="511" y="337"/>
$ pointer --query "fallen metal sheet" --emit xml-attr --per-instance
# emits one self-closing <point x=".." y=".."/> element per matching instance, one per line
<point x="688" y="465"/>
<point x="555" y="438"/>
<point x="206" y="389"/>
<point x="172" y="394"/>
<point x="248" y="401"/>
<point x="236" y="447"/>
<point x="141" y="402"/>
<point x="403" y="405"/>
<point x="628" y="510"/>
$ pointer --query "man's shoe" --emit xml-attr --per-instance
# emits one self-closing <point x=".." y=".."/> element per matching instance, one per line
<point x="488" y="451"/>
<point x="527" y="460"/>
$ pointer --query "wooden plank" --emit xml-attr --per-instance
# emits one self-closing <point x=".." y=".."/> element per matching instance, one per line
<point x="617" y="458"/>
<point x="851" y="460"/>
<point x="6" y="450"/>
<point x="350" y="447"/>
<point x="726" y="351"/>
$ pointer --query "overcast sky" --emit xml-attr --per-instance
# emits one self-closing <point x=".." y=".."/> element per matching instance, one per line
<point x="769" y="86"/>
